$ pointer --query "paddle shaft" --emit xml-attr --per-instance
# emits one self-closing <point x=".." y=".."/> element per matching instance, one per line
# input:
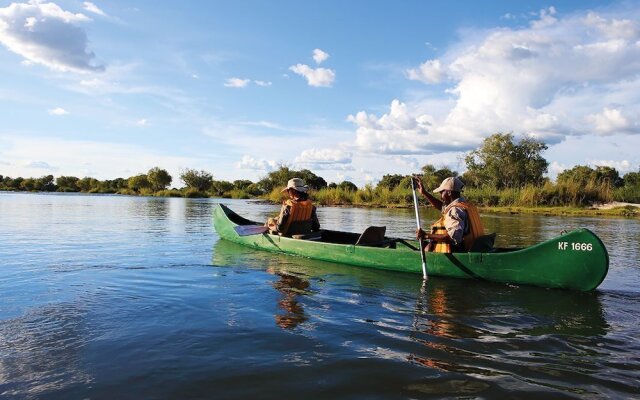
<point x="422" y="255"/>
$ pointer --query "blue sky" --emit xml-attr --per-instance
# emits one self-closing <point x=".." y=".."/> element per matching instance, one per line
<point x="349" y="89"/>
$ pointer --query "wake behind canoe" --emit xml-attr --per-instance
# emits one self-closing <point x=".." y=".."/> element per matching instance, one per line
<point x="576" y="260"/>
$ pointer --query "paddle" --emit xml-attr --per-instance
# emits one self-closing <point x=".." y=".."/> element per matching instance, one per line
<point x="415" y="205"/>
<point x="247" y="230"/>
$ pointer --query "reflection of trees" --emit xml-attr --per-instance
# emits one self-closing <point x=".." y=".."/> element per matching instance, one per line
<point x="41" y="352"/>
<point x="290" y="286"/>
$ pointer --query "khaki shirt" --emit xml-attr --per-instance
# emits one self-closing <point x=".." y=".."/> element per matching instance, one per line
<point x="455" y="221"/>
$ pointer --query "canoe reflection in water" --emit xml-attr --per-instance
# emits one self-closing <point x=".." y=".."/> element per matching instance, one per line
<point x="464" y="330"/>
<point x="290" y="286"/>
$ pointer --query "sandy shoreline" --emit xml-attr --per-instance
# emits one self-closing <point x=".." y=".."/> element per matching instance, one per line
<point x="614" y="204"/>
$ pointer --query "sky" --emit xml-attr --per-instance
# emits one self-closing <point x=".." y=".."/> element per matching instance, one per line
<point x="351" y="90"/>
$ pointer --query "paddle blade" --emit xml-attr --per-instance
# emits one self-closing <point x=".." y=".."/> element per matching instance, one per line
<point x="247" y="230"/>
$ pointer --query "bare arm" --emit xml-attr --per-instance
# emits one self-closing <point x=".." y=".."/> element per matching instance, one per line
<point x="437" y="203"/>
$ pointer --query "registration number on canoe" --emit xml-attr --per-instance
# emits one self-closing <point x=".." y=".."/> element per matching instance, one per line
<point x="575" y="246"/>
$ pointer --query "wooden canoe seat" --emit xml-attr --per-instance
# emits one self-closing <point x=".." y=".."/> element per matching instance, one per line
<point x="373" y="236"/>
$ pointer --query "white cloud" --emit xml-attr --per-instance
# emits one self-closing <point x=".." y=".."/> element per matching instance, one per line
<point x="318" y="77"/>
<point x="558" y="77"/>
<point x="58" y="111"/>
<point x="325" y="159"/>
<point x="237" y="82"/>
<point x="93" y="8"/>
<point x="431" y="71"/>
<point x="45" y="34"/>
<point x="40" y="165"/>
<point x="319" y="56"/>
<point x="101" y="160"/>
<point x="143" y="122"/>
<point x="609" y="121"/>
<point x="403" y="130"/>
<point x="249" y="162"/>
<point x="262" y="83"/>
<point x="622" y="166"/>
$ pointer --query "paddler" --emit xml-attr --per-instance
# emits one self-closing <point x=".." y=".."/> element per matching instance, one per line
<point x="297" y="214"/>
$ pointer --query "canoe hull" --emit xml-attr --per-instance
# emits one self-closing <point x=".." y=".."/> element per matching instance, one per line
<point x="576" y="260"/>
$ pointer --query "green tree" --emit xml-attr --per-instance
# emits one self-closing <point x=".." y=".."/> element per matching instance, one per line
<point x="631" y="179"/>
<point x="86" y="184"/>
<point x="28" y="184"/>
<point x="347" y="185"/>
<point x="221" y="187"/>
<point x="279" y="178"/>
<point x="158" y="178"/>
<point x="45" y="184"/>
<point x="584" y="175"/>
<point x="241" y="184"/>
<point x="432" y="177"/>
<point x="390" y="181"/>
<point x="67" y="184"/>
<point x="502" y="163"/>
<point x="199" y="180"/>
<point x="139" y="182"/>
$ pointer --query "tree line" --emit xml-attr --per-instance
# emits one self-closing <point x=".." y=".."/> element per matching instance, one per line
<point x="502" y="171"/>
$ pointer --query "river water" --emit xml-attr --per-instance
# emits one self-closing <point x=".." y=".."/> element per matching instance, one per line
<point x="133" y="297"/>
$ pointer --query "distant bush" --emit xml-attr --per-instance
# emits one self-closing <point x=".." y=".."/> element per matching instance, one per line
<point x="168" y="193"/>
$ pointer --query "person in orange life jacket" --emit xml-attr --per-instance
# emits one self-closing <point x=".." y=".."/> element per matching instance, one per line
<point x="448" y="233"/>
<point x="297" y="209"/>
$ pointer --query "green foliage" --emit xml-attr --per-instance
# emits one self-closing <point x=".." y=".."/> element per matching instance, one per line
<point x="584" y="175"/>
<point x="86" y="184"/>
<point x="432" y="177"/>
<point x="139" y="182"/>
<point x="158" y="178"/>
<point x="168" y="193"/>
<point x="501" y="163"/>
<point x="278" y="179"/>
<point x="199" y="180"/>
<point x="390" y="181"/>
<point x="241" y="184"/>
<point x="348" y="186"/>
<point x="67" y="184"/>
<point x="219" y="188"/>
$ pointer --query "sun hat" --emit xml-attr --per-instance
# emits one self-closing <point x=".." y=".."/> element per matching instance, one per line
<point x="451" y="183"/>
<point x="296" y="184"/>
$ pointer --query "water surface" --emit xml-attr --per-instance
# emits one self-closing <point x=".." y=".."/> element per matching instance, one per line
<point x="132" y="297"/>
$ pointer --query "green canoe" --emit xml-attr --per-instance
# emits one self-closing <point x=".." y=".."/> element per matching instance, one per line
<point x="576" y="260"/>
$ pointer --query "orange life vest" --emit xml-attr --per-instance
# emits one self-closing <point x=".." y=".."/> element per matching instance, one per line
<point x="299" y="211"/>
<point x="473" y="228"/>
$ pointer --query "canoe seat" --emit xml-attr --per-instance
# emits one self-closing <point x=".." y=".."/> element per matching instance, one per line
<point x="483" y="244"/>
<point x="373" y="236"/>
<point x="309" y="236"/>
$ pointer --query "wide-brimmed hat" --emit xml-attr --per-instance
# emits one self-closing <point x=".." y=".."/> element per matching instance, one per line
<point x="451" y="183"/>
<point x="296" y="184"/>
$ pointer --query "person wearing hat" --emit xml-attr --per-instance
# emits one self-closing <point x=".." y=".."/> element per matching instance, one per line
<point x="460" y="223"/>
<point x="298" y="214"/>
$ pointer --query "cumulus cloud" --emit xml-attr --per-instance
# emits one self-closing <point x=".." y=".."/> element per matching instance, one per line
<point x="58" y="111"/>
<point x="431" y="71"/>
<point x="319" y="56"/>
<point x="44" y="33"/>
<point x="93" y="8"/>
<point x="318" y="77"/>
<point x="609" y="121"/>
<point x="262" y="83"/>
<point x="621" y="166"/>
<point x="249" y="162"/>
<point x="334" y="159"/>
<point x="558" y="76"/>
<point x="403" y="130"/>
<point x="237" y="82"/>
